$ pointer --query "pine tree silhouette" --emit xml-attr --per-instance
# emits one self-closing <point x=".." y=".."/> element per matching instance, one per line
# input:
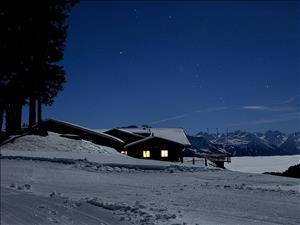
<point x="32" y="42"/>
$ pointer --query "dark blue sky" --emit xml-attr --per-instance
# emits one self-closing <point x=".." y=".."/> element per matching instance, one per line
<point x="194" y="65"/>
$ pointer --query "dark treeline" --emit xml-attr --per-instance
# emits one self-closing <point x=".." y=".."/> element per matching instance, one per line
<point x="292" y="171"/>
<point x="32" y="41"/>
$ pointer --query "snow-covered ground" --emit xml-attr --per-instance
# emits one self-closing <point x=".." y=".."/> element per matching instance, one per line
<point x="45" y="190"/>
<point x="260" y="164"/>
<point x="24" y="207"/>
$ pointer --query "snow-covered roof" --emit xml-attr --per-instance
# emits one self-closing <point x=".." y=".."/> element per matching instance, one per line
<point x="86" y="129"/>
<point x="124" y="131"/>
<point x="172" y="134"/>
<point x="139" y="141"/>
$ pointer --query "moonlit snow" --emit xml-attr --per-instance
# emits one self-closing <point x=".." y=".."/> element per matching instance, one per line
<point x="55" y="180"/>
<point x="261" y="164"/>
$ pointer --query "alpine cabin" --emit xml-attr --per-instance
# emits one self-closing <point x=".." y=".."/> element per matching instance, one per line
<point x="152" y="143"/>
<point x="147" y="143"/>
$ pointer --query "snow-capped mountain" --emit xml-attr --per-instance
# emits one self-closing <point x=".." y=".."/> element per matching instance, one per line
<point x="292" y="144"/>
<point x="241" y="143"/>
<point x="203" y="145"/>
<point x="207" y="136"/>
<point x="275" y="137"/>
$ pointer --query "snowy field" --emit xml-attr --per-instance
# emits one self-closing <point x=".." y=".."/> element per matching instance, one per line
<point x="43" y="181"/>
<point x="260" y="164"/>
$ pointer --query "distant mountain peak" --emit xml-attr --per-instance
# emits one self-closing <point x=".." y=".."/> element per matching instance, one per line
<point x="271" y="142"/>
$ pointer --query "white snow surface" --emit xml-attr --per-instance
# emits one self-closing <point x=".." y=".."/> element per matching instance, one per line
<point x="94" y="192"/>
<point x="261" y="164"/>
<point x="173" y="134"/>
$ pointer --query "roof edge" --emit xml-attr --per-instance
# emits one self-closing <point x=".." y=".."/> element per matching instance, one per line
<point x="86" y="129"/>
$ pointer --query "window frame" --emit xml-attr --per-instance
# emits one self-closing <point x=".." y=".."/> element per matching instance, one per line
<point x="164" y="153"/>
<point x="146" y="153"/>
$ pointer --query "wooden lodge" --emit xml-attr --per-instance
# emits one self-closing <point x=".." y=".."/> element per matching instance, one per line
<point x="147" y="143"/>
<point x="152" y="143"/>
<point x="168" y="144"/>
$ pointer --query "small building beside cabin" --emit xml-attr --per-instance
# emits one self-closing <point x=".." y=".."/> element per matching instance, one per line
<point x="69" y="129"/>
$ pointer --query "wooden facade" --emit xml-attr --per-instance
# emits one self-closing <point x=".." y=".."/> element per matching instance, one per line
<point x="155" y="148"/>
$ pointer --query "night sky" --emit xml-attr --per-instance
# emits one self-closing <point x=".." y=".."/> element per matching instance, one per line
<point x="194" y="65"/>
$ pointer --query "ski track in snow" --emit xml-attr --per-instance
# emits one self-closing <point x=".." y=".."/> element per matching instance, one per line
<point x="26" y="208"/>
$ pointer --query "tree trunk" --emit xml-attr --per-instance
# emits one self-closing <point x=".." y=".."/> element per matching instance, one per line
<point x="18" y="117"/>
<point x="39" y="111"/>
<point x="13" y="117"/>
<point x="32" y="111"/>
<point x="1" y="117"/>
<point x="9" y="119"/>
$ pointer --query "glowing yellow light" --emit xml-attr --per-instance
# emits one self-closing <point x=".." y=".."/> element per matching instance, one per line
<point x="146" y="154"/>
<point x="124" y="152"/>
<point x="164" y="153"/>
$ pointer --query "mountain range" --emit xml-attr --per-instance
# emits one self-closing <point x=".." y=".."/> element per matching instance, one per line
<point x="242" y="143"/>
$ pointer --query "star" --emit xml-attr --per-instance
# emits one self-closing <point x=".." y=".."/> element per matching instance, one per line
<point x="135" y="13"/>
<point x="267" y="86"/>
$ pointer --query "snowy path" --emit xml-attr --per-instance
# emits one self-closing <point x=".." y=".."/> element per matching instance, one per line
<point x="162" y="197"/>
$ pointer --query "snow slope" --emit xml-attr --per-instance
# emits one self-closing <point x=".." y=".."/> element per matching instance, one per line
<point x="54" y="143"/>
<point x="205" y="197"/>
<point x="58" y="186"/>
<point x="19" y="207"/>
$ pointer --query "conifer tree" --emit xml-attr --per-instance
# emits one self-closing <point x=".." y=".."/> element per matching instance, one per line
<point x="32" y="42"/>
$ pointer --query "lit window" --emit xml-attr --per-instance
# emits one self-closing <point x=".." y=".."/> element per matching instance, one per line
<point x="164" y="153"/>
<point x="124" y="152"/>
<point x="146" y="154"/>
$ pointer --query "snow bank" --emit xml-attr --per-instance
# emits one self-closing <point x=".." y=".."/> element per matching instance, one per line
<point x="137" y="213"/>
<point x="54" y="142"/>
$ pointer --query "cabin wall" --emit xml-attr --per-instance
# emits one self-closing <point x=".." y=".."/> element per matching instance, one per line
<point x="173" y="154"/>
<point x="174" y="151"/>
